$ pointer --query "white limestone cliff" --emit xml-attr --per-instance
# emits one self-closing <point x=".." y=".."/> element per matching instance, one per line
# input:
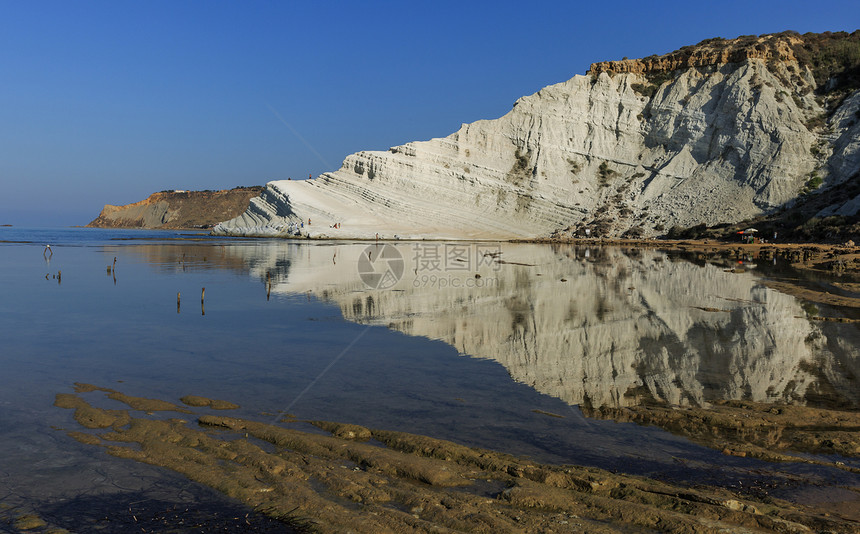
<point x="618" y="151"/>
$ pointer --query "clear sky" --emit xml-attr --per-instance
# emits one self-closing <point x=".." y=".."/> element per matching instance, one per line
<point x="106" y="102"/>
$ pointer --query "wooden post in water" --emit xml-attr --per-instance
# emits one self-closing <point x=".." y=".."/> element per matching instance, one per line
<point x="177" y="301"/>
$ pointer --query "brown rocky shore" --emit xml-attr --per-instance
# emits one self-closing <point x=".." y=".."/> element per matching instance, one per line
<point x="355" y="479"/>
<point x="178" y="209"/>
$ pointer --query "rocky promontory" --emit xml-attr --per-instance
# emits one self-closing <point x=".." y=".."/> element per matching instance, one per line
<point x="715" y="133"/>
<point x="178" y="209"/>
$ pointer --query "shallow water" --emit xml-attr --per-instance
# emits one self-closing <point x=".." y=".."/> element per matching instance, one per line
<point x="402" y="337"/>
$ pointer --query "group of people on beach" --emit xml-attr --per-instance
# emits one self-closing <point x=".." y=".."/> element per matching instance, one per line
<point x="295" y="227"/>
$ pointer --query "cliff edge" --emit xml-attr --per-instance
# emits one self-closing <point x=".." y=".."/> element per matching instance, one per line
<point x="178" y="209"/>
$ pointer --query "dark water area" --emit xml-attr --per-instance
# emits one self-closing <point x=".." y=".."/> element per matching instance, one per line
<point x="483" y="354"/>
<point x="78" y="236"/>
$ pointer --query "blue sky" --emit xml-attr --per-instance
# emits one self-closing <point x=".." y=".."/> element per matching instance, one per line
<point x="108" y="102"/>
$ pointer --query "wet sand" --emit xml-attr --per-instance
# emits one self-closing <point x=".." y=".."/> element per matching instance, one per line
<point x="336" y="477"/>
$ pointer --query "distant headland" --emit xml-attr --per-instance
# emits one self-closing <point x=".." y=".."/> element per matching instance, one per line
<point x="175" y="209"/>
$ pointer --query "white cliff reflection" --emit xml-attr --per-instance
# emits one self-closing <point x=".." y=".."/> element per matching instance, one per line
<point x="594" y="327"/>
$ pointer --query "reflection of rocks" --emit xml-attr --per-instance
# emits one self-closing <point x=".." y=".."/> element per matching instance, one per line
<point x="620" y="330"/>
<point x="179" y="257"/>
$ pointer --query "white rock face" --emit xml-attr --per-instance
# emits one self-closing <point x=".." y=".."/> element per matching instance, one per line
<point x="844" y="143"/>
<point x="619" y="330"/>
<point x="711" y="145"/>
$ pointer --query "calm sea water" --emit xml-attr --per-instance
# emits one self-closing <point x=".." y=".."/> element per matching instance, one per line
<point x="468" y="342"/>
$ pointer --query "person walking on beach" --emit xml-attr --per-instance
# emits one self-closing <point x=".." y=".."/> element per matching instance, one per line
<point x="47" y="251"/>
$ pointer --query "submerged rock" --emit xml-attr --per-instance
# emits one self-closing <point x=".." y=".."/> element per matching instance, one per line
<point x="199" y="402"/>
<point x="409" y="483"/>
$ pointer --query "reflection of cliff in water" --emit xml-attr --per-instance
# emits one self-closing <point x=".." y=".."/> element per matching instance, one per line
<point x="606" y="329"/>
<point x="178" y="256"/>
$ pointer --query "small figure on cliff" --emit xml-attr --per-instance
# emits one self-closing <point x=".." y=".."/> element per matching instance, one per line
<point x="309" y="221"/>
<point x="309" y="176"/>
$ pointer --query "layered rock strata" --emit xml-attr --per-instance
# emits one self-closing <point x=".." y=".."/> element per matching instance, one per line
<point x="717" y="133"/>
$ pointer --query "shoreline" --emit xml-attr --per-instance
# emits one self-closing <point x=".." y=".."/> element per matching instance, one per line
<point x="839" y="260"/>
<point x="684" y="244"/>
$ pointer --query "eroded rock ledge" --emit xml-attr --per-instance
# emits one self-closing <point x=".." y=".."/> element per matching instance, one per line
<point x="710" y="52"/>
